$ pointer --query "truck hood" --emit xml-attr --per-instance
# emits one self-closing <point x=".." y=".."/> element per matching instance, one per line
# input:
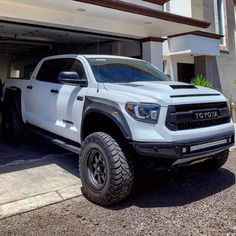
<point x="165" y="92"/>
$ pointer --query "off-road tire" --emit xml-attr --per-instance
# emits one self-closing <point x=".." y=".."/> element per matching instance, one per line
<point x="12" y="125"/>
<point x="119" y="170"/>
<point x="217" y="161"/>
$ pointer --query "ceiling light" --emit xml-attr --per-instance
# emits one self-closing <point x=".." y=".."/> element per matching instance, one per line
<point x="81" y="9"/>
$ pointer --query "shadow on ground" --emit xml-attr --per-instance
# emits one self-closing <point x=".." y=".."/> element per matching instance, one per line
<point x="170" y="189"/>
<point x="153" y="189"/>
<point x="35" y="151"/>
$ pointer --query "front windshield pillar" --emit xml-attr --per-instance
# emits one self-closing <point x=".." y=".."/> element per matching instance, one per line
<point x="153" y="51"/>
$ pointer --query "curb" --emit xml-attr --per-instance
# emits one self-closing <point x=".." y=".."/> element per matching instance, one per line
<point x="38" y="201"/>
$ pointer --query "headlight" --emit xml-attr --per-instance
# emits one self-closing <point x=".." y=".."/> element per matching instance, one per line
<point x="144" y="112"/>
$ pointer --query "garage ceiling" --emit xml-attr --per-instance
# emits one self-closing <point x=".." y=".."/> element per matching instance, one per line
<point x="19" y="37"/>
<point x="23" y="32"/>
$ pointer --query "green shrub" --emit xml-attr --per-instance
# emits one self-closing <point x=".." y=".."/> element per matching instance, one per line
<point x="201" y="80"/>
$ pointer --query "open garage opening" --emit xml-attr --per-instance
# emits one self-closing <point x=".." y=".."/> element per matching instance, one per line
<point x="22" y="46"/>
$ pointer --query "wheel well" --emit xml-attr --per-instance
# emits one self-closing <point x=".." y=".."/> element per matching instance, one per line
<point x="95" y="122"/>
<point x="12" y="94"/>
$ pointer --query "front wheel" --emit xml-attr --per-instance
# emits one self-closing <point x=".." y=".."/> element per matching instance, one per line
<point x="107" y="174"/>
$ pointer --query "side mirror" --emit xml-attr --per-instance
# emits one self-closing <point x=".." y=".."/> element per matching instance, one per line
<point x="72" y="78"/>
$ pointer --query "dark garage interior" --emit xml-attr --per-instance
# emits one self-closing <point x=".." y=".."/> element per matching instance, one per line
<point x="22" y="46"/>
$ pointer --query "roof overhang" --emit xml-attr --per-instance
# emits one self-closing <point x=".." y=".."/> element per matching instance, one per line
<point x="116" y="18"/>
<point x="159" y="2"/>
<point x="197" y="43"/>
<point x="144" y="11"/>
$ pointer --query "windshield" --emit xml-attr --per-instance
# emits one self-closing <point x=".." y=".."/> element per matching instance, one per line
<point x="122" y="70"/>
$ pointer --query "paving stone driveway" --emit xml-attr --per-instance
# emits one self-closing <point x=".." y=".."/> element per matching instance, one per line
<point x="34" y="174"/>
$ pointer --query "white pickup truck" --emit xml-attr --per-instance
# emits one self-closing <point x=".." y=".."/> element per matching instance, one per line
<point x="113" y="111"/>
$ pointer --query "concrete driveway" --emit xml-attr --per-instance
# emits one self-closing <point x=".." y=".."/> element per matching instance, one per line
<point x="34" y="174"/>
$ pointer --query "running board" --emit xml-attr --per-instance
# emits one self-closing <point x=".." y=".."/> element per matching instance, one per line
<point x="66" y="146"/>
<point x="56" y="139"/>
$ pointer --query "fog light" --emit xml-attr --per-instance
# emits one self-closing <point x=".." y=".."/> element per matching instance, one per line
<point x="184" y="150"/>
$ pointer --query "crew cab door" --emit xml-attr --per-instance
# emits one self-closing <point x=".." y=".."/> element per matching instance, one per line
<point x="40" y="93"/>
<point x="67" y="105"/>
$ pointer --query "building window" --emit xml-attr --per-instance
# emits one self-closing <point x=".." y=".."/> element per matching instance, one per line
<point x="221" y="20"/>
<point x="221" y="26"/>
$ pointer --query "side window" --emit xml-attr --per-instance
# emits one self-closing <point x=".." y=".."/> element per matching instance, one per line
<point x="79" y="68"/>
<point x="51" y="69"/>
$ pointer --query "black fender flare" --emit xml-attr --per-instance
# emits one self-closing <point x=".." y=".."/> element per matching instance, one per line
<point x="107" y="108"/>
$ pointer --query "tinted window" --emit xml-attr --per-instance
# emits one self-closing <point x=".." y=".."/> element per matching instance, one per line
<point x="118" y="70"/>
<point x="51" y="69"/>
<point x="78" y="67"/>
<point x="28" y="70"/>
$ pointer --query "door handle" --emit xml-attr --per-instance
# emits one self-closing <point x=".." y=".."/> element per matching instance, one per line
<point x="79" y="98"/>
<point x="54" y="91"/>
<point x="29" y="87"/>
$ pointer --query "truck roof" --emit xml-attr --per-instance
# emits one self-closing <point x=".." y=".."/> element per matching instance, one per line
<point x="107" y="56"/>
<point x="86" y="56"/>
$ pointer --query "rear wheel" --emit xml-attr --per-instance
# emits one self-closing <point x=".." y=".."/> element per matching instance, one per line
<point x="13" y="129"/>
<point x="106" y="172"/>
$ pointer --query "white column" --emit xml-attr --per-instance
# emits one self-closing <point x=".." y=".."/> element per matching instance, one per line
<point x="153" y="52"/>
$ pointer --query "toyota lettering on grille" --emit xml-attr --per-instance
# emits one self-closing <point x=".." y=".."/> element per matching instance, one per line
<point x="206" y="115"/>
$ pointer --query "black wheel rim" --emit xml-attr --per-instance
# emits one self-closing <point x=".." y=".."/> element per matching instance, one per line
<point x="97" y="168"/>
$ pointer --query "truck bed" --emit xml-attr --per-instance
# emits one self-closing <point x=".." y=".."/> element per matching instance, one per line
<point x="19" y="83"/>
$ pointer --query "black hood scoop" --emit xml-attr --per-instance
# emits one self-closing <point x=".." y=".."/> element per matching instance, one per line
<point x="183" y="86"/>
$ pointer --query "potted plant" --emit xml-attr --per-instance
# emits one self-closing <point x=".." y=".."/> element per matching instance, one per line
<point x="201" y="80"/>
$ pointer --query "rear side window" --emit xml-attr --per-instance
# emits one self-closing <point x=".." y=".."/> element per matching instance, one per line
<point x="51" y="69"/>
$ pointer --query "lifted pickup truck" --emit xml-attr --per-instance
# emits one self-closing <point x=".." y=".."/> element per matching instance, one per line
<point x="114" y="110"/>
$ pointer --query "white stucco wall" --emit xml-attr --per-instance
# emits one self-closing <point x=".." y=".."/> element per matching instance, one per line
<point x="153" y="52"/>
<point x="195" y="45"/>
<point x="181" y="7"/>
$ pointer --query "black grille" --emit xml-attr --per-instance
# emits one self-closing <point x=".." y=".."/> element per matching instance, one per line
<point x="181" y="117"/>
